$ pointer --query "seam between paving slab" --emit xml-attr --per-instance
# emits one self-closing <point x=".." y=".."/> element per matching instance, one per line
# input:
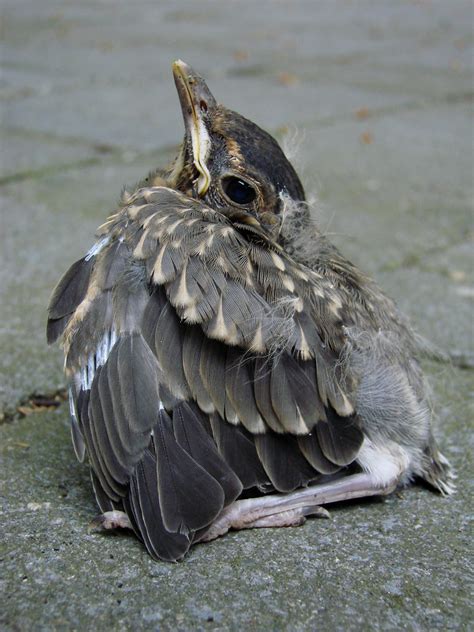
<point x="408" y="106"/>
<point x="115" y="150"/>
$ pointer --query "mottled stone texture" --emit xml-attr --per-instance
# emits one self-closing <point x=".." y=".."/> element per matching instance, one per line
<point x="378" y="96"/>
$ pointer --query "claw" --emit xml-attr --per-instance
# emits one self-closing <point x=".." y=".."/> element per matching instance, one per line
<point x="316" y="512"/>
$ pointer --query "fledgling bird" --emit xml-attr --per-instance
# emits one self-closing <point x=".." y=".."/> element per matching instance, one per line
<point x="228" y="367"/>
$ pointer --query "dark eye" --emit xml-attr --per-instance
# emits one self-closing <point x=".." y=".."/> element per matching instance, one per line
<point x="238" y="190"/>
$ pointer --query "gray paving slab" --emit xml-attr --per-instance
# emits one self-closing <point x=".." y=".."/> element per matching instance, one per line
<point x="62" y="207"/>
<point x="33" y="154"/>
<point x="397" y="564"/>
<point x="378" y="96"/>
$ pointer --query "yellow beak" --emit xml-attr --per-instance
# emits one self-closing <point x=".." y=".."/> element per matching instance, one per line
<point x="196" y="100"/>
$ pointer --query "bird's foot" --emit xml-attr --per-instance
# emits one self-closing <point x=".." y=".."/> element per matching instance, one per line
<point x="287" y="510"/>
<point x="250" y="514"/>
<point x="110" y="520"/>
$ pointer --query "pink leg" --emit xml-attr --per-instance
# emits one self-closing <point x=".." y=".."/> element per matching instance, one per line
<point x="283" y="510"/>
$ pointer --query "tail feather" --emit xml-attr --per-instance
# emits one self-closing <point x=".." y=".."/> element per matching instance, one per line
<point x="437" y="470"/>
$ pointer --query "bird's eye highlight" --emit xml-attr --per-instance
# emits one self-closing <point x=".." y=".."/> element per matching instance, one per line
<point x="238" y="190"/>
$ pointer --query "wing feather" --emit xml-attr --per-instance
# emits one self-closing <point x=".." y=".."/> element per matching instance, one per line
<point x="169" y="338"/>
<point x="340" y="438"/>
<point x="138" y="373"/>
<point x="190" y="497"/>
<point x="92" y="450"/>
<point x="192" y="436"/>
<point x="117" y="447"/>
<point x="66" y="297"/>
<point x="283" y="462"/>
<point x="146" y="510"/>
<point x="311" y="449"/>
<point x="262" y="391"/>
<point x="240" y="392"/>
<point x="212" y="367"/>
<point x="237" y="447"/>
<point x="111" y="468"/>
<point x="192" y="345"/>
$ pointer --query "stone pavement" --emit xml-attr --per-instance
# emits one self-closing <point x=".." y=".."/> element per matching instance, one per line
<point x="378" y="96"/>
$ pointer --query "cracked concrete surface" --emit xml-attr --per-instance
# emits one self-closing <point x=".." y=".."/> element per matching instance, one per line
<point x="378" y="98"/>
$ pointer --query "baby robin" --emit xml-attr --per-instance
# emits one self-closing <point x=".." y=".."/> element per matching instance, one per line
<point x="228" y="367"/>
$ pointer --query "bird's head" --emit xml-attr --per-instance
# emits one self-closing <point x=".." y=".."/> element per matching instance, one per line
<point x="228" y="161"/>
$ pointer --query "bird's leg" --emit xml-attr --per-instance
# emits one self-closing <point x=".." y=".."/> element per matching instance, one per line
<point x="284" y="510"/>
<point x="290" y="518"/>
<point x="111" y="520"/>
